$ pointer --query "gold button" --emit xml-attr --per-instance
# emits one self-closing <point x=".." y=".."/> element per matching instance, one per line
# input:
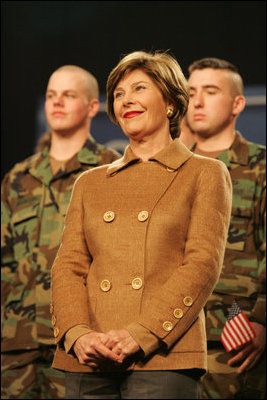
<point x="167" y="326"/>
<point x="51" y="308"/>
<point x="188" y="301"/>
<point x="109" y="216"/>
<point x="170" y="169"/>
<point x="137" y="283"/>
<point x="105" y="285"/>
<point x="56" y="332"/>
<point x="178" y="313"/>
<point x="143" y="216"/>
<point x="53" y="320"/>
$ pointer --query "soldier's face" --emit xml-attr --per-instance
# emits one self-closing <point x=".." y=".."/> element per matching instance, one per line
<point x="67" y="106"/>
<point x="211" y="103"/>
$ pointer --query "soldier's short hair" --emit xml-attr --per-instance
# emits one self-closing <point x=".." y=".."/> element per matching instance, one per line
<point x="167" y="75"/>
<point x="91" y="84"/>
<point x="218" y="63"/>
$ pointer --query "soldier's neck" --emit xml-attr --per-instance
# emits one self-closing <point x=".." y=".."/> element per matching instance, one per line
<point x="215" y="142"/>
<point x="65" y="144"/>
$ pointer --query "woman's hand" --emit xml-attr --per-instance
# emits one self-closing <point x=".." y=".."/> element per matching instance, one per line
<point x="121" y="343"/>
<point x="252" y="351"/>
<point x="91" y="349"/>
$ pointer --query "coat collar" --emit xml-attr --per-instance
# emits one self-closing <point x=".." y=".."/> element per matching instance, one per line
<point x="172" y="156"/>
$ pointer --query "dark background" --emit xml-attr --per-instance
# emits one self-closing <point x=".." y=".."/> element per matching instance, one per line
<point x="40" y="36"/>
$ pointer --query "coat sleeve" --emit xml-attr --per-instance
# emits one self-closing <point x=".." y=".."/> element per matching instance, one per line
<point x="188" y="288"/>
<point x="70" y="268"/>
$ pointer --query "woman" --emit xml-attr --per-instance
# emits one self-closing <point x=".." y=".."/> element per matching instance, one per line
<point x="142" y="248"/>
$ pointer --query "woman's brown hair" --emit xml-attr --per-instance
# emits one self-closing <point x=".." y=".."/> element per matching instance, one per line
<point x="166" y="73"/>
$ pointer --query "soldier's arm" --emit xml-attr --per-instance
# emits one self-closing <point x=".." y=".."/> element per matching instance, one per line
<point x="258" y="313"/>
<point x="251" y="352"/>
<point x="8" y="262"/>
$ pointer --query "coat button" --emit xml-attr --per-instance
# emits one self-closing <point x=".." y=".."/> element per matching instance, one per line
<point x="178" y="313"/>
<point x="167" y="326"/>
<point x="53" y="320"/>
<point x="137" y="283"/>
<point x="109" y="216"/>
<point x="188" y="301"/>
<point x="143" y="216"/>
<point x="56" y="332"/>
<point x="51" y="308"/>
<point x="105" y="285"/>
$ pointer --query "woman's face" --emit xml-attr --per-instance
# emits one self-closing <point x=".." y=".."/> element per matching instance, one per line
<point x="139" y="106"/>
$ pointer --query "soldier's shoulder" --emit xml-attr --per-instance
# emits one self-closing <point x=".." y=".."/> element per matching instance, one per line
<point x="253" y="147"/>
<point x="256" y="156"/>
<point x="108" y="154"/>
<point x="256" y="148"/>
<point x="21" y="167"/>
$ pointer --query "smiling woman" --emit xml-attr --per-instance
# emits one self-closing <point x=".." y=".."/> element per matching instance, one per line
<point x="160" y="71"/>
<point x="140" y="108"/>
<point x="142" y="248"/>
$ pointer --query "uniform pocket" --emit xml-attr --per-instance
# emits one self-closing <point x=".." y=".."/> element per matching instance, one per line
<point x="12" y="309"/>
<point x="24" y="215"/>
<point x="237" y="232"/>
<point x="24" y="224"/>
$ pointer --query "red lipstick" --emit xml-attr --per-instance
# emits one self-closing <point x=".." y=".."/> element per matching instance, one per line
<point x="132" y="114"/>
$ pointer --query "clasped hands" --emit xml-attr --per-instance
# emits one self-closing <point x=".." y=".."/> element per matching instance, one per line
<point x="94" y="348"/>
<point x="249" y="354"/>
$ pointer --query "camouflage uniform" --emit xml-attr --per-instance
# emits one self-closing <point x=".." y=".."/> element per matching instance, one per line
<point x="243" y="273"/>
<point x="34" y="205"/>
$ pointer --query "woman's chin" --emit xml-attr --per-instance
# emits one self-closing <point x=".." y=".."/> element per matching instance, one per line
<point x="134" y="134"/>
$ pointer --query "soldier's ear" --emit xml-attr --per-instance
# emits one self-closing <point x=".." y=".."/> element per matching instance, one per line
<point x="238" y="105"/>
<point x="93" y="108"/>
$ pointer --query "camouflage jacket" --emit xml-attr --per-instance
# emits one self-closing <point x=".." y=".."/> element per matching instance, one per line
<point x="34" y="205"/>
<point x="244" y="270"/>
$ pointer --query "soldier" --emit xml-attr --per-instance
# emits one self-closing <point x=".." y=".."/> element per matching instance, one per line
<point x="216" y="100"/>
<point x="35" y="197"/>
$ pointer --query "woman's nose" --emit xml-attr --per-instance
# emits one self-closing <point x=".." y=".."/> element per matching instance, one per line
<point x="128" y="98"/>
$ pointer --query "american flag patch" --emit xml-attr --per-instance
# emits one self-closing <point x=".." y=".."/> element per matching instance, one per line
<point x="237" y="329"/>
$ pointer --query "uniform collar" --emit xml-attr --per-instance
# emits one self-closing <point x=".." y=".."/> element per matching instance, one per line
<point x="89" y="152"/>
<point x="40" y="164"/>
<point x="172" y="156"/>
<point x="237" y="153"/>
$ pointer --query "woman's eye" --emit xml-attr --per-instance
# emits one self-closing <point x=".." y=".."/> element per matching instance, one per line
<point x="117" y="95"/>
<point x="138" y="88"/>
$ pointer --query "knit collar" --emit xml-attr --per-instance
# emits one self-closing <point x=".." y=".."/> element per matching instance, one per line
<point x="172" y="156"/>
